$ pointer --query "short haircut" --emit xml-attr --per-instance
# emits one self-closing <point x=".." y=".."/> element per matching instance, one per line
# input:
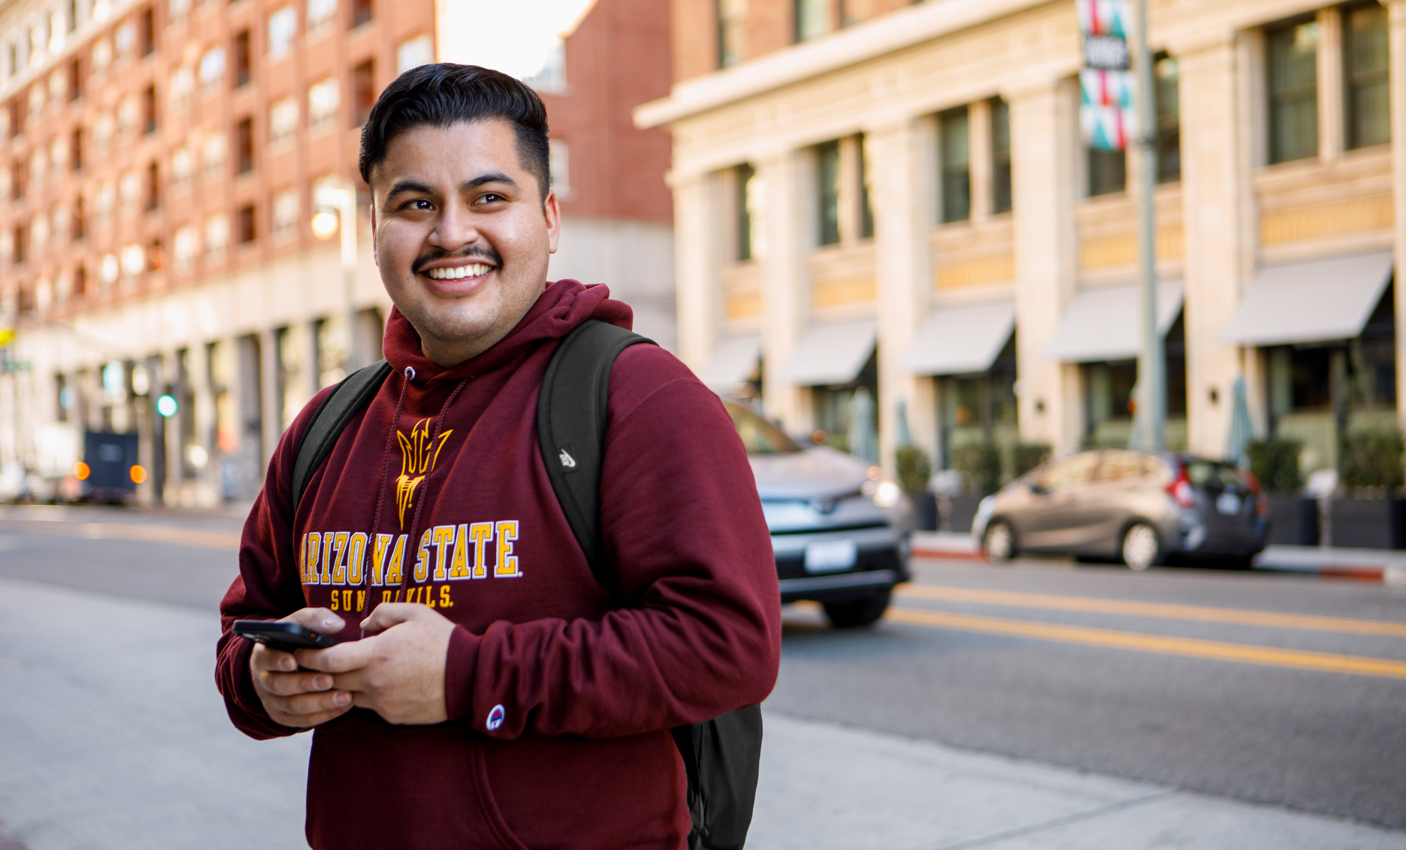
<point x="446" y="94"/>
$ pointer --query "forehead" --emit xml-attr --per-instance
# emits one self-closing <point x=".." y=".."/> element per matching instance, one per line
<point x="459" y="152"/>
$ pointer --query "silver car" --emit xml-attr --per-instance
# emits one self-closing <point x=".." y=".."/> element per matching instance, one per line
<point x="840" y="534"/>
<point x="1139" y="507"/>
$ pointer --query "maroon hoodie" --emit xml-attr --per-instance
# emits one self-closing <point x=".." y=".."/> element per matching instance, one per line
<point x="560" y="693"/>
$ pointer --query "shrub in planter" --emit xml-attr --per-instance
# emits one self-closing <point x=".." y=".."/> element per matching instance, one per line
<point x="914" y="469"/>
<point x="1371" y="458"/>
<point x="1027" y="456"/>
<point x="980" y="465"/>
<point x="1275" y="462"/>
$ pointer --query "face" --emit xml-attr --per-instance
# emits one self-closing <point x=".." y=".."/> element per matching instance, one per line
<point x="462" y="235"/>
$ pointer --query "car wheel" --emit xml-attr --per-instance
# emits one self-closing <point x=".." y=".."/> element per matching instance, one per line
<point x="853" y="613"/>
<point x="1141" y="546"/>
<point x="998" y="542"/>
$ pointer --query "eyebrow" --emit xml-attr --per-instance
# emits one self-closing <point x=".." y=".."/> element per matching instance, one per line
<point x="403" y="186"/>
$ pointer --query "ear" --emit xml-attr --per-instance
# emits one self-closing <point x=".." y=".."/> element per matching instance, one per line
<point x="375" y="259"/>
<point x="552" y="212"/>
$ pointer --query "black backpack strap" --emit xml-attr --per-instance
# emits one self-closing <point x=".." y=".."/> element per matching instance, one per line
<point x="571" y="419"/>
<point x="346" y="400"/>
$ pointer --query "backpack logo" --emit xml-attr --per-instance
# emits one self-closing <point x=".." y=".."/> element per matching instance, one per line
<point x="417" y="459"/>
<point x="567" y="460"/>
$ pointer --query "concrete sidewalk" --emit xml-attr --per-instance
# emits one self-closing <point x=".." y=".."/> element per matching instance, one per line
<point x="113" y="737"/>
<point x="1367" y="564"/>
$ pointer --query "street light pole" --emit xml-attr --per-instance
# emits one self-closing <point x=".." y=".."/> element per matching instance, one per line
<point x="1152" y="380"/>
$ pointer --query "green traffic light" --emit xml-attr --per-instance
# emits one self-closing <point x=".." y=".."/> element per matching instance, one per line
<point x="166" y="405"/>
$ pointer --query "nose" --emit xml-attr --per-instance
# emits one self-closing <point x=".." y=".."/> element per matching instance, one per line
<point x="455" y="227"/>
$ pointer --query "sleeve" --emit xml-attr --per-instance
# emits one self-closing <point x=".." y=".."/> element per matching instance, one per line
<point x="268" y="586"/>
<point x="683" y="524"/>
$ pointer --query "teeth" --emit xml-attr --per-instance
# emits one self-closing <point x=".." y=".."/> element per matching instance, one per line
<point x="472" y="270"/>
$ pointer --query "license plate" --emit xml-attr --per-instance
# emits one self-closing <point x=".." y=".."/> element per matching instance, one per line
<point x="830" y="556"/>
<point x="1228" y="503"/>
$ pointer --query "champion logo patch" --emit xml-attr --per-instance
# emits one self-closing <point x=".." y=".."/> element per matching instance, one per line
<point x="495" y="717"/>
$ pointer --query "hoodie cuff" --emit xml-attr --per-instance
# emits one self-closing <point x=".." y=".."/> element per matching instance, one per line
<point x="459" y="668"/>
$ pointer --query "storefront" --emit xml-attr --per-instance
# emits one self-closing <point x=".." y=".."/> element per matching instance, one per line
<point x="835" y="361"/>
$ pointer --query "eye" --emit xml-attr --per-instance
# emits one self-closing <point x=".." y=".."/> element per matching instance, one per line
<point x="491" y="198"/>
<point x="417" y="204"/>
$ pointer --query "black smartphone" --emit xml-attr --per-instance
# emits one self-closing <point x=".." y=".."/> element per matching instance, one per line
<point x="284" y="636"/>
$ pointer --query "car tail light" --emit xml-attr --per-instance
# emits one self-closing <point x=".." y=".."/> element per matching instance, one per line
<point x="1180" y="490"/>
<point x="1261" y="503"/>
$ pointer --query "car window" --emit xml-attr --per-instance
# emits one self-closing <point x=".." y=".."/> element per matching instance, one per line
<point x="1071" y="473"/>
<point x="1209" y="475"/>
<point x="1121" y="467"/>
<point x="758" y="435"/>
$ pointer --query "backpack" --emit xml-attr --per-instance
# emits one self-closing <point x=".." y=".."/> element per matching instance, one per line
<point x="721" y="756"/>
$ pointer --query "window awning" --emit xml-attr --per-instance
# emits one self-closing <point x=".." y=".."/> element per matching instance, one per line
<point x="1310" y="302"/>
<point x="958" y="340"/>
<point x="830" y="354"/>
<point x="1104" y="323"/>
<point x="732" y="363"/>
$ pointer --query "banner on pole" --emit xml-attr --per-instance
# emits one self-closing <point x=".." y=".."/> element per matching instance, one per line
<point x="1106" y="112"/>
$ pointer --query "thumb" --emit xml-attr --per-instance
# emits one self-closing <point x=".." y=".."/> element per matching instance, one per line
<point x="389" y="614"/>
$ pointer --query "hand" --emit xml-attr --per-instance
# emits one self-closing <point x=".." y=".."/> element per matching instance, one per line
<point x="293" y="697"/>
<point x="399" y="673"/>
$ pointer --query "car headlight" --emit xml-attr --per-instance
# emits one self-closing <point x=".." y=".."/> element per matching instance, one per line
<point x="886" y="494"/>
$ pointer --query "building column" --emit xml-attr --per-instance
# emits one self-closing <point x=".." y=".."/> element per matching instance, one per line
<point x="785" y="286"/>
<point x="271" y="393"/>
<point x="1044" y="127"/>
<point x="898" y="162"/>
<point x="1397" y="35"/>
<point x="1220" y="248"/>
<point x="697" y="251"/>
<point x="174" y="429"/>
<point x="203" y="413"/>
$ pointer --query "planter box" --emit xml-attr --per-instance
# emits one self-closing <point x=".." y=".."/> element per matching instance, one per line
<point x="925" y="506"/>
<point x="1293" y="521"/>
<point x="960" y="511"/>
<point x="1358" y="523"/>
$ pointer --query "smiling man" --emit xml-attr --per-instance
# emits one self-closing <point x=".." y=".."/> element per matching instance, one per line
<point x="490" y="692"/>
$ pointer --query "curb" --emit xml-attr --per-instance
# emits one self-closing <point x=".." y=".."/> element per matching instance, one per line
<point x="949" y="554"/>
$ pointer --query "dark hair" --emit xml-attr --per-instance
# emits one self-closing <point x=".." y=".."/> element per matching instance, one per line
<point x="445" y="94"/>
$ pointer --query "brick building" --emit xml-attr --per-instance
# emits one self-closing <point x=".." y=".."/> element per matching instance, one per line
<point x="873" y="193"/>
<point x="159" y="162"/>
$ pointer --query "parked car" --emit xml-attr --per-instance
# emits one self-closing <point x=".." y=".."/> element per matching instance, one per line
<point x="840" y="537"/>
<point x="1139" y="507"/>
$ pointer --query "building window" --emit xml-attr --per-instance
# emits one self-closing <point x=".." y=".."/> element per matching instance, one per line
<point x="1366" y="57"/>
<point x="324" y="98"/>
<point x="75" y="80"/>
<point x="732" y="32"/>
<point x="364" y="88"/>
<point x="559" y="167"/>
<point x="745" y="201"/>
<point x="179" y="88"/>
<point x="866" y="207"/>
<point x="827" y="173"/>
<point x="812" y="19"/>
<point x="212" y="155"/>
<point x="149" y="109"/>
<point x="1167" y="78"/>
<point x="246" y="225"/>
<point x="185" y="247"/>
<point x="19" y="177"/>
<point x="242" y="59"/>
<point x="80" y="220"/>
<point x="1293" y="92"/>
<point x="180" y="167"/>
<point x="954" y="138"/>
<point x="75" y="151"/>
<point x="80" y="280"/>
<point x="283" y="120"/>
<point x="361" y="12"/>
<point x="285" y="214"/>
<point x="216" y="236"/>
<point x="21" y="244"/>
<point x="283" y="28"/>
<point x="146" y="32"/>
<point x="153" y="187"/>
<point x="1108" y="172"/>
<point x="212" y="68"/>
<point x="321" y="13"/>
<point x="244" y="146"/>
<point x="1001" y="199"/>
<point x="414" y="52"/>
<point x="175" y="9"/>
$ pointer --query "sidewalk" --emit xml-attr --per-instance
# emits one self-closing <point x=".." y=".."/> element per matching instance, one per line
<point x="1366" y="564"/>
<point x="114" y="737"/>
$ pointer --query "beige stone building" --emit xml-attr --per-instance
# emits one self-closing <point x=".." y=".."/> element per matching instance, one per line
<point x="897" y="196"/>
<point x="160" y="162"/>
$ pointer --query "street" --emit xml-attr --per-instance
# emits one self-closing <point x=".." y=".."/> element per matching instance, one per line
<point x="1174" y="694"/>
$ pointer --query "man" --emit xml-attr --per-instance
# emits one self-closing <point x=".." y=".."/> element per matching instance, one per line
<point x="492" y="693"/>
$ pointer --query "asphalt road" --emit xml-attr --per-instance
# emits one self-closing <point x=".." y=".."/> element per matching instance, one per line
<point x="1161" y="675"/>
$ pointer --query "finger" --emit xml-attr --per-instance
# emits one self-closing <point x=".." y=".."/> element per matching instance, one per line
<point x="318" y="619"/>
<point x="307" y="721"/>
<point x="291" y="684"/>
<point x="303" y="705"/>
<point x="389" y="614"/>
<point x="266" y="658"/>
<point x="342" y="658"/>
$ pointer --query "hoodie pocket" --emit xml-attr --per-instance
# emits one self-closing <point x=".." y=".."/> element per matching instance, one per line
<point x="414" y="788"/>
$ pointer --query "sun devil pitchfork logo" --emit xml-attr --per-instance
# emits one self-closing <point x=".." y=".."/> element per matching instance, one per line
<point x="417" y="459"/>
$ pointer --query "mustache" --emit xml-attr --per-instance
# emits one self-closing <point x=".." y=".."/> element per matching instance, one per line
<point x="473" y="251"/>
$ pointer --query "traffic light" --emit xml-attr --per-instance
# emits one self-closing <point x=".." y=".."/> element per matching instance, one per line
<point x="166" y="405"/>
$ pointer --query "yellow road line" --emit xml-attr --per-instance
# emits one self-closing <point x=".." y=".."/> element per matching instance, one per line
<point x="1238" y="616"/>
<point x="195" y="538"/>
<point x="1187" y="647"/>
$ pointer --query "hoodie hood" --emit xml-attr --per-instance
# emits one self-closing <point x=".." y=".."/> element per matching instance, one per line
<point x="562" y="306"/>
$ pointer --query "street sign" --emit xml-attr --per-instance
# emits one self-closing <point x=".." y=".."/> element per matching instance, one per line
<point x="7" y="336"/>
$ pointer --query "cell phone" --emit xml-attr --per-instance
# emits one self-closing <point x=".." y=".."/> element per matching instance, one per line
<point x="284" y="636"/>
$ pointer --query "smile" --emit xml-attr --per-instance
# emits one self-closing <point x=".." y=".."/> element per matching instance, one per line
<point x="458" y="272"/>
